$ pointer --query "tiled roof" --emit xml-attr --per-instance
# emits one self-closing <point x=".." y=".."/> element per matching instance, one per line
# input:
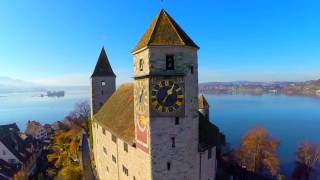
<point x="203" y="103"/>
<point x="14" y="143"/>
<point x="12" y="127"/>
<point x="164" y="31"/>
<point x="103" y="67"/>
<point x="117" y="114"/>
<point x="7" y="170"/>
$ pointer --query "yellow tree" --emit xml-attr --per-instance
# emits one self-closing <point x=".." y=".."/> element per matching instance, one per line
<point x="257" y="152"/>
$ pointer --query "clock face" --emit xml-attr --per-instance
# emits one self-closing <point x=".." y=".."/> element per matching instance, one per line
<point x="167" y="96"/>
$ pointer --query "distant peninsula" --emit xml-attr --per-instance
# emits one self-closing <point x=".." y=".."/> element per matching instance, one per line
<point x="307" y="88"/>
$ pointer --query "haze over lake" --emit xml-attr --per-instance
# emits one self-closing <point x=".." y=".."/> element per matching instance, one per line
<point x="291" y="119"/>
<point x="20" y="107"/>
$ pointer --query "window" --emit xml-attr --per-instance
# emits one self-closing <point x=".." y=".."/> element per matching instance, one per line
<point x="141" y="64"/>
<point x="102" y="92"/>
<point x="134" y="178"/>
<point x="168" y="166"/>
<point x="170" y="62"/>
<point x="103" y="131"/>
<point x="173" y="142"/>
<point x="209" y="153"/>
<point x="125" y="170"/>
<point x="114" y="138"/>
<point x="103" y="83"/>
<point x="3" y="152"/>
<point x="191" y="69"/>
<point x="114" y="159"/>
<point x="107" y="169"/>
<point x="177" y="121"/>
<point x="105" y="150"/>
<point x="125" y="147"/>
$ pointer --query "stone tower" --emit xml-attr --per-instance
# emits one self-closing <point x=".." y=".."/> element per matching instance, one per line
<point x="166" y="100"/>
<point x="103" y="82"/>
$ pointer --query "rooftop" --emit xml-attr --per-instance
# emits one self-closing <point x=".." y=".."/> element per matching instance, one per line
<point x="103" y="67"/>
<point x="164" y="31"/>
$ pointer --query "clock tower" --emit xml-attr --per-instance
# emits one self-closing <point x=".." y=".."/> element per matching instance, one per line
<point x="166" y="100"/>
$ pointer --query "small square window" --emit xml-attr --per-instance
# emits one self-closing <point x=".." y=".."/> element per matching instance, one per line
<point x="173" y="142"/>
<point x="168" y="166"/>
<point x="125" y="147"/>
<point x="170" y="62"/>
<point x="114" y="159"/>
<point x="105" y="150"/>
<point x="114" y="138"/>
<point x="191" y="69"/>
<point x="125" y="170"/>
<point x="141" y="64"/>
<point x="177" y="121"/>
<point x="103" y="83"/>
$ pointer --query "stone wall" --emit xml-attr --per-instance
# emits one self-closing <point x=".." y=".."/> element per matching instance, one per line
<point x="99" y="93"/>
<point x="208" y="165"/>
<point x="135" y="161"/>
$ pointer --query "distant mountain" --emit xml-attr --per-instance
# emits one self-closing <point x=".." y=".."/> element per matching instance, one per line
<point x="307" y="88"/>
<point x="8" y="85"/>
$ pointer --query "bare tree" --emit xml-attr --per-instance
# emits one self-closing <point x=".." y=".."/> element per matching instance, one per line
<point x="308" y="156"/>
<point x="257" y="152"/>
<point x="80" y="114"/>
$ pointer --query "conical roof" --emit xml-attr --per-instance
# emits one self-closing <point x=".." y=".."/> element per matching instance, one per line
<point x="164" y="31"/>
<point x="103" y="67"/>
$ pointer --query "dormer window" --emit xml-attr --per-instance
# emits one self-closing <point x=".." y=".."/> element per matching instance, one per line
<point x="169" y="62"/>
<point x="141" y="64"/>
<point x="103" y="83"/>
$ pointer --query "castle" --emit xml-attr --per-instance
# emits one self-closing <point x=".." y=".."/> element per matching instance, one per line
<point x="156" y="128"/>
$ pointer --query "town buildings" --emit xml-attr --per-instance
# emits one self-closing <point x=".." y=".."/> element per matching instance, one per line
<point x="36" y="130"/>
<point x="155" y="128"/>
<point x="18" y="152"/>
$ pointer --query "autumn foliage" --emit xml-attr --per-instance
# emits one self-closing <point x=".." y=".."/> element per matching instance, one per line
<point x="257" y="152"/>
<point x="308" y="157"/>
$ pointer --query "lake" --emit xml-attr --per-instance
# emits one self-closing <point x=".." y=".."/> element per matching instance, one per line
<point x="290" y="119"/>
<point x="23" y="106"/>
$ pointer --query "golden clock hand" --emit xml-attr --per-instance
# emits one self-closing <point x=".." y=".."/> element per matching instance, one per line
<point x="170" y="91"/>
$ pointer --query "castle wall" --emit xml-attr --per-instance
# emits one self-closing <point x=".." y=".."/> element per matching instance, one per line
<point x="134" y="160"/>
<point x="208" y="165"/>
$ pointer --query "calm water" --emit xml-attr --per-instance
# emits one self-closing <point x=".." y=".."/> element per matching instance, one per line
<point x="21" y="107"/>
<point x="291" y="120"/>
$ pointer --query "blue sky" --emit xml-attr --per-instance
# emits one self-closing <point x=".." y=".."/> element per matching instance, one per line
<point x="58" y="41"/>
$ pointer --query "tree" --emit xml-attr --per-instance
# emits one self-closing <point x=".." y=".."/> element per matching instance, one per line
<point x="80" y="114"/>
<point x="308" y="156"/>
<point x="21" y="175"/>
<point x="70" y="173"/>
<point x="257" y="152"/>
